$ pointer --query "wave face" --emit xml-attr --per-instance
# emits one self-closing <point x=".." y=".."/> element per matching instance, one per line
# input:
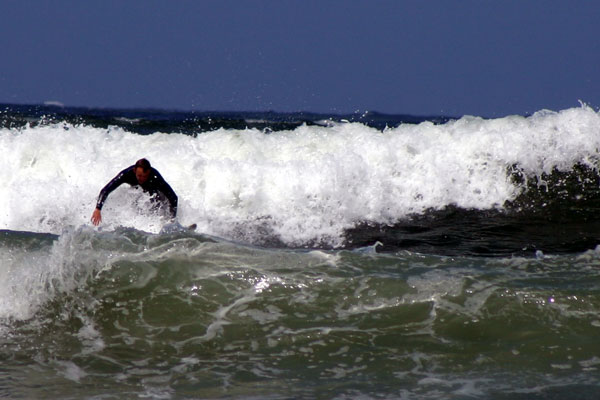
<point x="312" y="185"/>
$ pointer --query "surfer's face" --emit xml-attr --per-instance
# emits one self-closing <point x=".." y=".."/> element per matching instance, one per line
<point x="141" y="175"/>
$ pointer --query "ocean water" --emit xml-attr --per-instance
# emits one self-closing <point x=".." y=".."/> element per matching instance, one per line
<point x="364" y="256"/>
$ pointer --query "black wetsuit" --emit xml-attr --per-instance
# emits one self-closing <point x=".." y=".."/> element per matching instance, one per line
<point x="154" y="186"/>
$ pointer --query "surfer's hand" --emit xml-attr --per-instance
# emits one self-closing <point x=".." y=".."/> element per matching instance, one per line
<point x="96" y="217"/>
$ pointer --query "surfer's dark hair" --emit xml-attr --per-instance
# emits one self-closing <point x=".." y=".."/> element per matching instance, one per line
<point x="143" y="164"/>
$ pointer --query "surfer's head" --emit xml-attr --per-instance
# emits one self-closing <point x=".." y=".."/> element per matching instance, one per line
<point x="142" y="170"/>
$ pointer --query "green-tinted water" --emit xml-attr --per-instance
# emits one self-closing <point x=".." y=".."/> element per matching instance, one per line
<point x="127" y="315"/>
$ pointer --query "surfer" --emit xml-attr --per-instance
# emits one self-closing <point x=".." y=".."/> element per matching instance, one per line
<point x="143" y="175"/>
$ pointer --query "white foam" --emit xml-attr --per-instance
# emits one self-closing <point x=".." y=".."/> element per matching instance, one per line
<point x="307" y="184"/>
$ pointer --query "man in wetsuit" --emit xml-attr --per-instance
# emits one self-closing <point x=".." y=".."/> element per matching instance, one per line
<point x="143" y="175"/>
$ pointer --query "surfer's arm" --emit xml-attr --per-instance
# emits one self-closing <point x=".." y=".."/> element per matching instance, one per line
<point x="169" y="193"/>
<point x="173" y="204"/>
<point x="171" y="196"/>
<point x="110" y="186"/>
<point x="106" y="190"/>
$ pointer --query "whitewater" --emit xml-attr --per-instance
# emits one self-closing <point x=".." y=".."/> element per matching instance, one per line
<point x="302" y="186"/>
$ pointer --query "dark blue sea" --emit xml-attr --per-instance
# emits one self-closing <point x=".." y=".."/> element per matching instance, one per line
<point x="360" y="256"/>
